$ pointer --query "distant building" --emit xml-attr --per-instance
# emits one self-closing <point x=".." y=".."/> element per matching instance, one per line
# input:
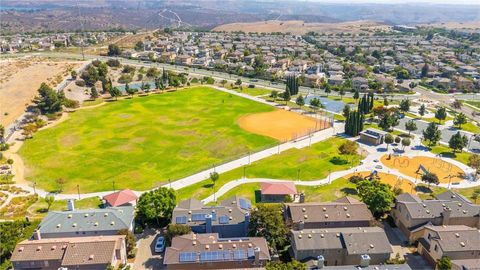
<point x="209" y="251"/>
<point x="79" y="223"/>
<point x="277" y="191"/>
<point x="230" y="218"/>
<point x="345" y="212"/>
<point x="124" y="197"/>
<point x="341" y="246"/>
<point x="82" y="253"/>
<point x="372" y="136"/>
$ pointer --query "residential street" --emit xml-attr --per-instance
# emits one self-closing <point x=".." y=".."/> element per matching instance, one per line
<point x="146" y="257"/>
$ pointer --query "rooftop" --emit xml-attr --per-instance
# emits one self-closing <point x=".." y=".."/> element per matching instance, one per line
<point x="278" y="188"/>
<point x="120" y="197"/>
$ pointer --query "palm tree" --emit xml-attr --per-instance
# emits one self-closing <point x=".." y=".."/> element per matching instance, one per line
<point x="214" y="177"/>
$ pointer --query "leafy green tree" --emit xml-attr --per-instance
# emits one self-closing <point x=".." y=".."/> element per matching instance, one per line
<point x="214" y="177"/>
<point x="475" y="194"/>
<point x="300" y="101"/>
<point x="327" y="89"/>
<point x="131" y="91"/>
<point x="474" y="162"/>
<point x="114" y="50"/>
<point x="341" y="93"/>
<point x="444" y="264"/>
<point x="406" y="142"/>
<point x="274" y="94"/>
<point x="293" y="265"/>
<point x="93" y="93"/>
<point x="441" y="114"/>
<point x="388" y="139"/>
<point x="138" y="46"/>
<point x="425" y="70"/>
<point x="356" y="95"/>
<point x="267" y="221"/>
<point x="346" y="110"/>
<point x="405" y="105"/>
<point x="458" y="142"/>
<point x="115" y="92"/>
<point x="176" y="230"/>
<point x="90" y="75"/>
<point x="410" y="126"/>
<point x="459" y="120"/>
<point x="432" y="134"/>
<point x="73" y="74"/>
<point x="156" y="204"/>
<point x="430" y="178"/>
<point x="348" y="148"/>
<point x="457" y="104"/>
<point x="398" y="139"/>
<point x="376" y="195"/>
<point x="102" y="70"/>
<point x="2" y="133"/>
<point x="238" y="82"/>
<point x="286" y="97"/>
<point x="153" y="72"/>
<point x="48" y="100"/>
<point x="49" y="200"/>
<point x="422" y="110"/>
<point x="130" y="240"/>
<point x="315" y="104"/>
<point x="388" y="121"/>
<point x="12" y="232"/>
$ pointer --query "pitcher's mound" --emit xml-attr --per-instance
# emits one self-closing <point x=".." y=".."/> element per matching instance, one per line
<point x="281" y="125"/>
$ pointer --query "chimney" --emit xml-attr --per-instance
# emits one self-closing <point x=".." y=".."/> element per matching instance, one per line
<point x="208" y="223"/>
<point x="320" y="261"/>
<point x="301" y="225"/>
<point x="364" y="260"/>
<point x="256" y="251"/>
<point x="446" y="215"/>
<point x="247" y="222"/>
<point x="302" y="197"/>
<point x="37" y="235"/>
<point x="70" y="205"/>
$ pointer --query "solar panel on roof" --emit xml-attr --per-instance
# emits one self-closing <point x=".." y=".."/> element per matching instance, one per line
<point x="244" y="204"/>
<point x="250" y="253"/>
<point x="223" y="219"/>
<point x="239" y="254"/>
<point x="181" y="220"/>
<point x="198" y="217"/>
<point x="187" y="257"/>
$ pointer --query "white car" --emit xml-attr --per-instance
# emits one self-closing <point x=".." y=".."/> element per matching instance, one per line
<point x="160" y="244"/>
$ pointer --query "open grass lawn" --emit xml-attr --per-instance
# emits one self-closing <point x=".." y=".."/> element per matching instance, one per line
<point x="39" y="208"/>
<point x="142" y="142"/>
<point x="313" y="162"/>
<point x="254" y="91"/>
<point x="471" y="127"/>
<point x="447" y="152"/>
<point x="375" y="126"/>
<point x="434" y="190"/>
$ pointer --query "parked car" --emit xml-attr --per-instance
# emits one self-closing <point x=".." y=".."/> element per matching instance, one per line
<point x="160" y="244"/>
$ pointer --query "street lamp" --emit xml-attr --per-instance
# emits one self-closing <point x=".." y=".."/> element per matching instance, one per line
<point x="113" y="183"/>
<point x="34" y="189"/>
<point x="78" y="191"/>
<point x="244" y="171"/>
<point x="329" y="175"/>
<point x="298" y="175"/>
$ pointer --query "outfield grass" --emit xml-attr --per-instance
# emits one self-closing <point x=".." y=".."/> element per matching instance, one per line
<point x="142" y="142"/>
<point x="313" y="162"/>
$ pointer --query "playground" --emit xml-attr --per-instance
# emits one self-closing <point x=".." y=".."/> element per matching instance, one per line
<point x="416" y="166"/>
<point x="281" y="125"/>
<point x="391" y="179"/>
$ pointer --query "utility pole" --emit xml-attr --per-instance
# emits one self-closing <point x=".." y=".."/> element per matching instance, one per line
<point x="113" y="183"/>
<point x="78" y="191"/>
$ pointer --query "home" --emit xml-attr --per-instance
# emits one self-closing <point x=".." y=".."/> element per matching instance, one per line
<point x="360" y="83"/>
<point x="124" y="197"/>
<point x="210" y="251"/>
<point x="82" y="253"/>
<point x="277" y="191"/>
<point x="229" y="219"/>
<point x="79" y="223"/>
<point x="411" y="213"/>
<point x="372" y="136"/>
<point x="318" y="265"/>
<point x="341" y="246"/>
<point x="457" y="242"/>
<point x="183" y="60"/>
<point x="469" y="264"/>
<point x="344" y="212"/>
<point x="336" y="80"/>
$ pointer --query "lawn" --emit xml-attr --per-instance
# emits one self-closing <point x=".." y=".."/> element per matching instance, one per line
<point x="471" y="127"/>
<point x="142" y="142"/>
<point x="254" y="91"/>
<point x="447" y="152"/>
<point x="310" y="163"/>
<point x="435" y="190"/>
<point x="39" y="208"/>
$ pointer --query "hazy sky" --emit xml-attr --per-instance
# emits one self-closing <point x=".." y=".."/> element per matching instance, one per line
<point x="452" y="2"/>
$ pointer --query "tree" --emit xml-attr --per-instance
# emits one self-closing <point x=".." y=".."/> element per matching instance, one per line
<point x="457" y="104"/>
<point x="405" y="105"/>
<point x="398" y="139"/>
<point x="286" y="97"/>
<point x="441" y="114"/>
<point x="422" y="110"/>
<point x="130" y="240"/>
<point x="223" y="82"/>
<point x="432" y="134"/>
<point x="388" y="139"/>
<point x="176" y="230"/>
<point x="214" y="177"/>
<point x="115" y="92"/>
<point x="292" y="84"/>
<point x="346" y="110"/>
<point x="267" y="221"/>
<point x="73" y="74"/>
<point x="406" y="142"/>
<point x="48" y="100"/>
<point x="274" y="95"/>
<point x="356" y="95"/>
<point x="93" y="93"/>
<point x="476" y="194"/>
<point x="341" y="93"/>
<point x="327" y="89"/>
<point x="444" y="263"/>
<point x="155" y="204"/>
<point x="474" y="162"/>
<point x="425" y="70"/>
<point x="238" y="82"/>
<point x="458" y="142"/>
<point x="2" y="133"/>
<point x="49" y="200"/>
<point x="430" y="178"/>
<point x="354" y="123"/>
<point x="376" y="195"/>
<point x="139" y="46"/>
<point x="300" y="101"/>
<point x="153" y="72"/>
<point x="459" y="120"/>
<point x="388" y="121"/>
<point x="60" y="182"/>
<point x="293" y="265"/>
<point x="410" y="126"/>
<point x="114" y="50"/>
<point x="315" y="104"/>
<point x="348" y="148"/>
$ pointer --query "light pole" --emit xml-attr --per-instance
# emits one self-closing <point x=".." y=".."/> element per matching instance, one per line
<point x="34" y="189"/>
<point x="244" y="171"/>
<point x="329" y="175"/>
<point x="298" y="175"/>
<point x="113" y="184"/>
<point x="78" y="191"/>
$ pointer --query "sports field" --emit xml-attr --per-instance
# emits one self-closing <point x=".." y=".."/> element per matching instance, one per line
<point x="140" y="143"/>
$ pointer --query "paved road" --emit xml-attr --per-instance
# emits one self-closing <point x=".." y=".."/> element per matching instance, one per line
<point x="447" y="99"/>
<point x="447" y="132"/>
<point x="146" y="257"/>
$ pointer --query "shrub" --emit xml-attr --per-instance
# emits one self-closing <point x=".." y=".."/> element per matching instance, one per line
<point x="70" y="103"/>
<point x="398" y="139"/>
<point x="176" y="230"/>
<point x="348" y="148"/>
<point x="113" y="63"/>
<point x="80" y="83"/>
<point x="4" y="147"/>
<point x="128" y="69"/>
<point x="355" y="179"/>
<point x="125" y="78"/>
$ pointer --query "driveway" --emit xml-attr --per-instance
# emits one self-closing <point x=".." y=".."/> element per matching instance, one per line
<point x="146" y="257"/>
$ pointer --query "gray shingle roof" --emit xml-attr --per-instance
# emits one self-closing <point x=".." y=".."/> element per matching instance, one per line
<point x="456" y="238"/>
<point x="114" y="218"/>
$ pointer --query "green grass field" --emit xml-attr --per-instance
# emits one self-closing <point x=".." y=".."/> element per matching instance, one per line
<point x="447" y="152"/>
<point x="313" y="162"/>
<point x="39" y="208"/>
<point x="254" y="91"/>
<point x="142" y="142"/>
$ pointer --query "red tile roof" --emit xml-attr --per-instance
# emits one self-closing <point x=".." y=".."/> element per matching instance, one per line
<point x="282" y="188"/>
<point x="120" y="197"/>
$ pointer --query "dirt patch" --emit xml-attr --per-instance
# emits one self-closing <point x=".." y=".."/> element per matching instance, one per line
<point x="409" y="166"/>
<point x="280" y="124"/>
<point x="391" y="179"/>
<point x="20" y="80"/>
<point x="300" y="27"/>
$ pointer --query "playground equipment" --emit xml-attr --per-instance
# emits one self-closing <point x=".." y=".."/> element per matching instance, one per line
<point x="402" y="164"/>
<point x="422" y="169"/>
<point x="442" y="165"/>
<point x="372" y="176"/>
